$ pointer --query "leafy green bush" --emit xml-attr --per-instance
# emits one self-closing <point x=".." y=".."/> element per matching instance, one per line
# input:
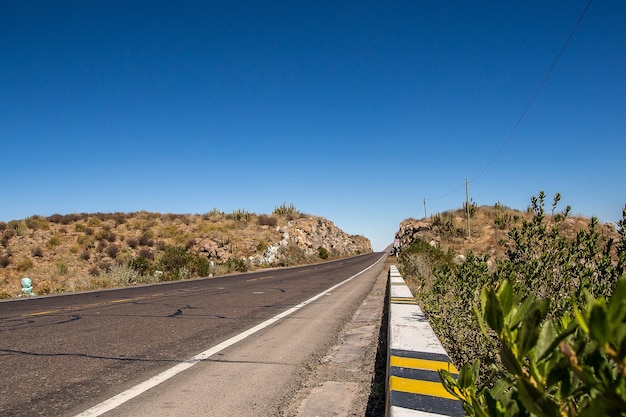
<point x="322" y="252"/>
<point x="551" y="367"/>
<point x="177" y="263"/>
<point x="541" y="263"/>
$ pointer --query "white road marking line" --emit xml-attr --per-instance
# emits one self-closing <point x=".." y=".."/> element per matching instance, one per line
<point x="140" y="388"/>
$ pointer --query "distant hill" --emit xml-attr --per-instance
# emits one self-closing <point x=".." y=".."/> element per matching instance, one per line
<point x="74" y="252"/>
<point x="489" y="226"/>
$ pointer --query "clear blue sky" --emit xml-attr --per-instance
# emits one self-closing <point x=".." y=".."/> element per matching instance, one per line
<point x="354" y="111"/>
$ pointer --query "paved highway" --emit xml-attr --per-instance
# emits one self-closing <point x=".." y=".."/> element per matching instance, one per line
<point x="62" y="355"/>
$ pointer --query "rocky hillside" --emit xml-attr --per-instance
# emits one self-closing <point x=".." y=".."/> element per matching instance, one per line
<point x="63" y="253"/>
<point x="489" y="226"/>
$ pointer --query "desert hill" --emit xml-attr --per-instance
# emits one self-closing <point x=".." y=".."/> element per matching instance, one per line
<point x="489" y="226"/>
<point x="74" y="252"/>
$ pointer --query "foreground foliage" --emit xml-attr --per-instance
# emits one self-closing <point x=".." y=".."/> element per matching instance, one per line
<point x="514" y="322"/>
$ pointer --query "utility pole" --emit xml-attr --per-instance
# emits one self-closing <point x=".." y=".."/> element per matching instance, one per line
<point x="425" y="207"/>
<point x="467" y="207"/>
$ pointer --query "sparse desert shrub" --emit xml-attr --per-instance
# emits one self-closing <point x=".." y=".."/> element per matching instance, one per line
<point x="101" y="246"/>
<point x="146" y="254"/>
<point x="167" y="231"/>
<point x="21" y="228"/>
<point x="6" y="236"/>
<point x="132" y="243"/>
<point x="145" y="240"/>
<point x="37" y="223"/>
<point x="94" y="221"/>
<point x="236" y="264"/>
<point x="80" y="227"/>
<point x="53" y="242"/>
<point x="112" y="250"/>
<point x="24" y="265"/>
<point x="37" y="252"/>
<point x="104" y="266"/>
<point x="322" y="252"/>
<point x="262" y="246"/>
<point x="3" y="226"/>
<point x="265" y="220"/>
<point x="5" y="261"/>
<point x="105" y="234"/>
<point x="86" y="241"/>
<point x="62" y="267"/>
<point x="85" y="256"/>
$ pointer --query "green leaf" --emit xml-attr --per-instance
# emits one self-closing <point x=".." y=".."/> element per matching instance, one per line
<point x="529" y="333"/>
<point x="520" y="312"/>
<point x="509" y="360"/>
<point x="580" y="319"/>
<point x="599" y="324"/>
<point x="547" y="337"/>
<point x="505" y="295"/>
<point x="467" y="378"/>
<point x="617" y="303"/>
<point x="493" y="312"/>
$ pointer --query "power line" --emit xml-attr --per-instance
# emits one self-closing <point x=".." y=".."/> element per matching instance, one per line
<point x="532" y="100"/>
<point x="528" y="106"/>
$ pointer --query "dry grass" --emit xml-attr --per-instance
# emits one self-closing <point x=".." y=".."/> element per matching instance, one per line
<point x="70" y="252"/>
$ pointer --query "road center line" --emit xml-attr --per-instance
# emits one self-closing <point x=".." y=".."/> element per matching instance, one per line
<point x="142" y="387"/>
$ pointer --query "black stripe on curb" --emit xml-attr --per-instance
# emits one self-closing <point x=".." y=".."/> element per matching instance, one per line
<point x="421" y="374"/>
<point x="427" y="403"/>
<point x="440" y="357"/>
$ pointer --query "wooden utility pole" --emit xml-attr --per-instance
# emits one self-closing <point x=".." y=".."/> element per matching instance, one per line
<point x="467" y="207"/>
<point x="425" y="207"/>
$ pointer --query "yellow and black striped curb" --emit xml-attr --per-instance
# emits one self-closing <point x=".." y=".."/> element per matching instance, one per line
<point x="415" y="356"/>
<point x="414" y="383"/>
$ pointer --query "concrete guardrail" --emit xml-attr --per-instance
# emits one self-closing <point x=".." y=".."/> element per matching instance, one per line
<point x="414" y="356"/>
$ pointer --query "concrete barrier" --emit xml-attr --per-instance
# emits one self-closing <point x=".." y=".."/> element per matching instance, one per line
<point x="414" y="356"/>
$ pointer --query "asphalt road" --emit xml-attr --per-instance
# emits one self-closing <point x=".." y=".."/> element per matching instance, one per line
<point x="61" y="355"/>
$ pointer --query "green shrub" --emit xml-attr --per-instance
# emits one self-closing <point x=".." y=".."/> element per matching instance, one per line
<point x="550" y="367"/>
<point x="541" y="262"/>
<point x="141" y="265"/>
<point x="236" y="264"/>
<point x="322" y="252"/>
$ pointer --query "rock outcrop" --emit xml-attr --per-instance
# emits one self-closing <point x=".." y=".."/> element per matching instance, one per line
<point x="309" y="234"/>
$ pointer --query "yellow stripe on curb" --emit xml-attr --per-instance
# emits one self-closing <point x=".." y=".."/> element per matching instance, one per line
<point x="428" y="365"/>
<point x="413" y="386"/>
<point x="403" y="300"/>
